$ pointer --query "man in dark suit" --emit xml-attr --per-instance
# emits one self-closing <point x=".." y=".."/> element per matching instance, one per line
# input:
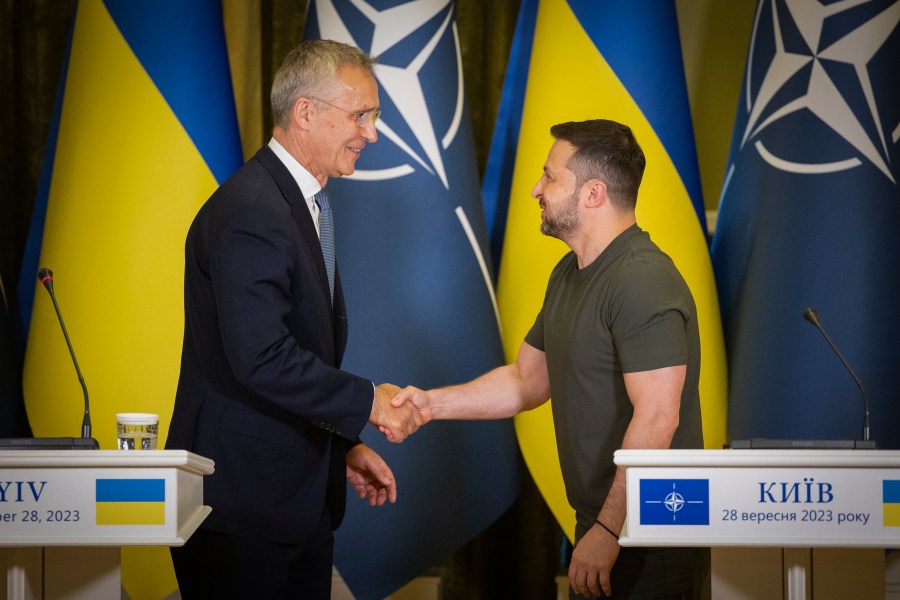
<point x="261" y="391"/>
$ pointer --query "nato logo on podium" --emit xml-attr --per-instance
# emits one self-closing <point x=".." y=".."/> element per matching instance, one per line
<point x="674" y="501"/>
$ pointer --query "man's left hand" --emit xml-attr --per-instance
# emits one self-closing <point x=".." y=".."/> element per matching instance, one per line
<point x="370" y="476"/>
<point x="592" y="560"/>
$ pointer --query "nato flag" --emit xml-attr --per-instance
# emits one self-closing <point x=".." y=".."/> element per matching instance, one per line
<point x="414" y="261"/>
<point x="674" y="501"/>
<point x="810" y="217"/>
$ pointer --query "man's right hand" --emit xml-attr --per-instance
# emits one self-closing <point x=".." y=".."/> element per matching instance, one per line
<point x="396" y="422"/>
<point x="413" y="396"/>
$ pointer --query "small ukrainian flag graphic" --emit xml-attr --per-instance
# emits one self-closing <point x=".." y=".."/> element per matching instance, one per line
<point x="131" y="502"/>
<point x="891" y="499"/>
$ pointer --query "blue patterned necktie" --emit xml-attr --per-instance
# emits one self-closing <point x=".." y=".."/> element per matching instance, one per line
<point x="326" y="236"/>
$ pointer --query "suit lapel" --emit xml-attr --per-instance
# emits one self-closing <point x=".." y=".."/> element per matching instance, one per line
<point x="294" y="197"/>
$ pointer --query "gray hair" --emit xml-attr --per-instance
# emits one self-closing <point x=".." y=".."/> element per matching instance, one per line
<point x="311" y="69"/>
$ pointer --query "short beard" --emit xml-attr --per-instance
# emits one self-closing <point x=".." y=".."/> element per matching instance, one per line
<point x="564" y="223"/>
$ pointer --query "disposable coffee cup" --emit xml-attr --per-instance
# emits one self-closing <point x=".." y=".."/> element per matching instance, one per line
<point x="137" y="431"/>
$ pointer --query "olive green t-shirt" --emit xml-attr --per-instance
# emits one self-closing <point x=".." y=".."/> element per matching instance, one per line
<point x="628" y="311"/>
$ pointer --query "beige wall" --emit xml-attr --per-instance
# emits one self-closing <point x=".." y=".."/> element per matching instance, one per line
<point x="243" y="33"/>
<point x="715" y="35"/>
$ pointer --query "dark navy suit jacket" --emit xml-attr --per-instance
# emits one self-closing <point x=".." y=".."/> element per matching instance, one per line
<point x="260" y="390"/>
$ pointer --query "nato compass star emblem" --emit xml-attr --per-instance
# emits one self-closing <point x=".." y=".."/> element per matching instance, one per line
<point x="816" y="65"/>
<point x="403" y="38"/>
<point x="674" y="501"/>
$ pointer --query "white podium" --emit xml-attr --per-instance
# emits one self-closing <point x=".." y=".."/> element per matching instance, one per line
<point x="65" y="514"/>
<point x="780" y="522"/>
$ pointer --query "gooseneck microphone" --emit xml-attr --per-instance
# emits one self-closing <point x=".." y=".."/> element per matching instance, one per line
<point x="86" y="442"/>
<point x="45" y="276"/>
<point x="812" y="315"/>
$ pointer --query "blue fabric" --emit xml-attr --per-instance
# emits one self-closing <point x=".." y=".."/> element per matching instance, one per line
<point x="195" y="43"/>
<point x="810" y="217"/>
<point x="649" y="71"/>
<point x="419" y="302"/>
<point x="505" y="141"/>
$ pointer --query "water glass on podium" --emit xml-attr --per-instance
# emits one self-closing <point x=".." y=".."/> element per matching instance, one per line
<point x="137" y="431"/>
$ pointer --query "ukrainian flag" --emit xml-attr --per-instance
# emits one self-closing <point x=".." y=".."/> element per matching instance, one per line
<point x="144" y="131"/>
<point x="891" y="500"/>
<point x="622" y="61"/>
<point x="131" y="501"/>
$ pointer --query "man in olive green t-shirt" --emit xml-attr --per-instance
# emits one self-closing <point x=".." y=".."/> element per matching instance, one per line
<point x="616" y="345"/>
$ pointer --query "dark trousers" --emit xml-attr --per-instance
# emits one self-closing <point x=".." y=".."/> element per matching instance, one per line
<point x="677" y="596"/>
<point x="658" y="574"/>
<point x="216" y="565"/>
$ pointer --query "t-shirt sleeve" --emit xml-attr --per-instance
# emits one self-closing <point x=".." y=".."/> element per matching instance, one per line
<point x="648" y="320"/>
<point x="535" y="336"/>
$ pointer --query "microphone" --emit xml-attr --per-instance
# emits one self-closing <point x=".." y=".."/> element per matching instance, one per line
<point x="812" y="315"/>
<point x="45" y="276"/>
<point x="85" y="442"/>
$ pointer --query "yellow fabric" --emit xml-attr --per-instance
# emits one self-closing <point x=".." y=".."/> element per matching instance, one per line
<point x="126" y="183"/>
<point x="584" y="87"/>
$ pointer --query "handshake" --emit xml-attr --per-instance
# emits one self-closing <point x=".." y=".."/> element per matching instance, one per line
<point x="399" y="413"/>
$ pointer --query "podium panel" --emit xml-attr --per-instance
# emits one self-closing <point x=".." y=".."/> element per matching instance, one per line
<point x="791" y="524"/>
<point x="786" y="498"/>
<point x="113" y="498"/>
<point x="64" y="515"/>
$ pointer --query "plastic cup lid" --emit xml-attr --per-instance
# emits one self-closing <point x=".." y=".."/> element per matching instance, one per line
<point x="137" y="418"/>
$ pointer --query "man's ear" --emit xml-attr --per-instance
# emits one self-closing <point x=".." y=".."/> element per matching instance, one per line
<point x="596" y="193"/>
<point x="303" y="112"/>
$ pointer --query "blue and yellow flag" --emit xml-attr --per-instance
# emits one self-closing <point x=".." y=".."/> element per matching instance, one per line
<point x="890" y="497"/>
<point x="414" y="261"/>
<point x="144" y="133"/>
<point x="622" y="61"/>
<point x="130" y="501"/>
<point x="810" y="218"/>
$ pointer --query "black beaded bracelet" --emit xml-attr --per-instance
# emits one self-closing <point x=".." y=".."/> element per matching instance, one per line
<point x="600" y="523"/>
